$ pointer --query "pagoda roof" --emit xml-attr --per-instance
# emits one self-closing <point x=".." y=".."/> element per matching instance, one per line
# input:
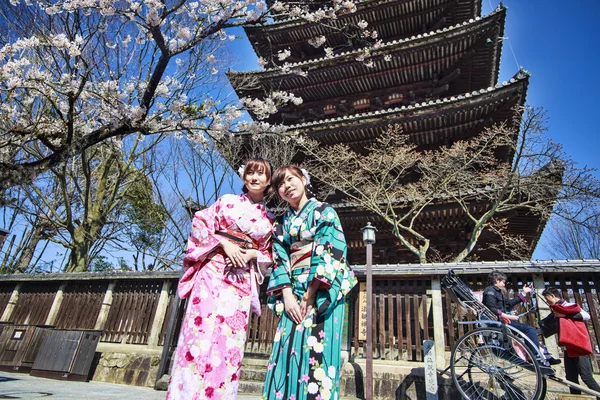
<point x="428" y="123"/>
<point x="392" y="19"/>
<point x="465" y="57"/>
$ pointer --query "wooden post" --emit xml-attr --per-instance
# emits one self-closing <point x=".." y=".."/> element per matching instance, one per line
<point x="159" y="315"/>
<point x="12" y="302"/>
<point x="105" y="309"/>
<point x="540" y="284"/>
<point x="163" y="367"/>
<point x="58" y="298"/>
<point x="438" y="322"/>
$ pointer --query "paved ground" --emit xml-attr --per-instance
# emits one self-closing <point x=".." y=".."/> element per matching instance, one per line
<point x="24" y="386"/>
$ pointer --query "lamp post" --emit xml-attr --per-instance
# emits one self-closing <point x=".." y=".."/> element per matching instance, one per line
<point x="369" y="238"/>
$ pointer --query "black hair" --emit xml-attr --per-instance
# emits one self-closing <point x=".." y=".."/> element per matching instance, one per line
<point x="552" y="291"/>
<point x="496" y="276"/>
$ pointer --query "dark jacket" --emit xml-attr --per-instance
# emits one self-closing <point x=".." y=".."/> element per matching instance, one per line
<point x="497" y="303"/>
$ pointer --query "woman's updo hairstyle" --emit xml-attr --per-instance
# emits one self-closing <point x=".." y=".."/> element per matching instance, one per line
<point x="257" y="164"/>
<point x="279" y="176"/>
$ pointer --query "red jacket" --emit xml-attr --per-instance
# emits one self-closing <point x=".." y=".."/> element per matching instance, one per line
<point x="572" y="334"/>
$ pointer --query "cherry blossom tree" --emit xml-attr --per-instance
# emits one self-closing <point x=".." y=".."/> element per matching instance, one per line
<point x="75" y="73"/>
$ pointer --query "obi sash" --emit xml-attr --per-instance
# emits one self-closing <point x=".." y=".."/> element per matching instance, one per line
<point x="300" y="254"/>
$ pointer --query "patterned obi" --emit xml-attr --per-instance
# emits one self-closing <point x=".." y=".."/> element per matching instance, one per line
<point x="300" y="254"/>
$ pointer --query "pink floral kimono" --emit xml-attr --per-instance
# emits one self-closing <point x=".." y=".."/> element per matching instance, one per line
<point x="213" y="332"/>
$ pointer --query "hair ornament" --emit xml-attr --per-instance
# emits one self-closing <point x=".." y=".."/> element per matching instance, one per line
<point x="306" y="175"/>
<point x="241" y="171"/>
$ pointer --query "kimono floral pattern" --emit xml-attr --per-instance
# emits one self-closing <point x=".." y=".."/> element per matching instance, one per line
<point x="213" y="332"/>
<point x="305" y="362"/>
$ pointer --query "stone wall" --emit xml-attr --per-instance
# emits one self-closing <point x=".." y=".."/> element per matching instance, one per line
<point x="128" y="368"/>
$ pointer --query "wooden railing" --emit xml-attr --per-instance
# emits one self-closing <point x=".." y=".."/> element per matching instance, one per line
<point x="400" y="324"/>
<point x="126" y="306"/>
<point x="80" y="305"/>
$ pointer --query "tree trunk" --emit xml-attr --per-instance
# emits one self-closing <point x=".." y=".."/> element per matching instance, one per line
<point x="83" y="238"/>
<point x="27" y="255"/>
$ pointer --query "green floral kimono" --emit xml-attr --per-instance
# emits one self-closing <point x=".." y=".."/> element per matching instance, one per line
<point x="305" y="360"/>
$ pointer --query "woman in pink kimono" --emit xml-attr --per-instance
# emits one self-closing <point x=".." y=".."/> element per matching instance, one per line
<point x="229" y="247"/>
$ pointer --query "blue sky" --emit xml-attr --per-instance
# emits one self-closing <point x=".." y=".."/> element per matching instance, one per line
<point x="557" y="42"/>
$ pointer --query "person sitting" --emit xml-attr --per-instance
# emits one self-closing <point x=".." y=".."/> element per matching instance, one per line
<point x="494" y="299"/>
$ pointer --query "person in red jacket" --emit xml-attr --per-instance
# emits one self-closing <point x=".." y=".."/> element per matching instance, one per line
<point x="573" y="334"/>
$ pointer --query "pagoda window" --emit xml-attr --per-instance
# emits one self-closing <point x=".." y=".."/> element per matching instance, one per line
<point x="361" y="104"/>
<point x="395" y="98"/>
<point x="329" y="109"/>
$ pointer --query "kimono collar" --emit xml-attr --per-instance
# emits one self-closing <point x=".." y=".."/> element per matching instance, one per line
<point x="260" y="203"/>
<point x="304" y="207"/>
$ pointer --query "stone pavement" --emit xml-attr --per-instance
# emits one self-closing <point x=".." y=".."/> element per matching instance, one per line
<point x="24" y="386"/>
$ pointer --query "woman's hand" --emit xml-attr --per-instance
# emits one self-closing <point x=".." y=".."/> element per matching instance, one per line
<point x="510" y="317"/>
<point x="308" y="300"/>
<point x="247" y="255"/>
<point x="292" y="309"/>
<point x="234" y="253"/>
<point x="306" y="306"/>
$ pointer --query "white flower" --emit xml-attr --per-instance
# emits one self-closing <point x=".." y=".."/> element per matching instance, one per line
<point x="306" y="176"/>
<point x="241" y="171"/>
<point x="327" y="383"/>
<point x="319" y="374"/>
<point x="313" y="388"/>
<point x="204" y="345"/>
<point x="229" y="343"/>
<point x="194" y="351"/>
<point x="283" y="54"/>
<point x="279" y="307"/>
<point x="319" y="250"/>
<point x="331" y="371"/>
<point x="363" y="24"/>
<point x="317" y="41"/>
<point x="311" y="341"/>
<point x="216" y="361"/>
<point x="318" y="348"/>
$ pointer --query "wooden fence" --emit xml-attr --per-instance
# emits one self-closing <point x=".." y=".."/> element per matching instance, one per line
<point x="134" y="308"/>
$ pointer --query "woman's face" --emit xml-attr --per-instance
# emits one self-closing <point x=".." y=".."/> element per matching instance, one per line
<point x="256" y="180"/>
<point x="291" y="188"/>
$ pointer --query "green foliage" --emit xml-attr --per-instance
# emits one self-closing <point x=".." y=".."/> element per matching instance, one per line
<point x="101" y="264"/>
<point x="146" y="219"/>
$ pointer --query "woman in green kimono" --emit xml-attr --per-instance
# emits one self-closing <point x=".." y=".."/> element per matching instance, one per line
<point x="307" y="289"/>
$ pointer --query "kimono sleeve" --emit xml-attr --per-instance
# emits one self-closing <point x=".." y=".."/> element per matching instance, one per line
<point x="203" y="239"/>
<point x="329" y="250"/>
<point x="280" y="276"/>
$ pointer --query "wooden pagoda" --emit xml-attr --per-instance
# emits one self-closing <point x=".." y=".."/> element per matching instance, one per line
<point x="435" y="74"/>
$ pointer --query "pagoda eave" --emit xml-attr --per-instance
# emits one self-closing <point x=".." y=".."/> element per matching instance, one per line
<point x="392" y="19"/>
<point x="427" y="123"/>
<point x="421" y="58"/>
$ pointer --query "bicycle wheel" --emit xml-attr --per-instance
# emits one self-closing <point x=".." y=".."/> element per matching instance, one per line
<point x="485" y="365"/>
